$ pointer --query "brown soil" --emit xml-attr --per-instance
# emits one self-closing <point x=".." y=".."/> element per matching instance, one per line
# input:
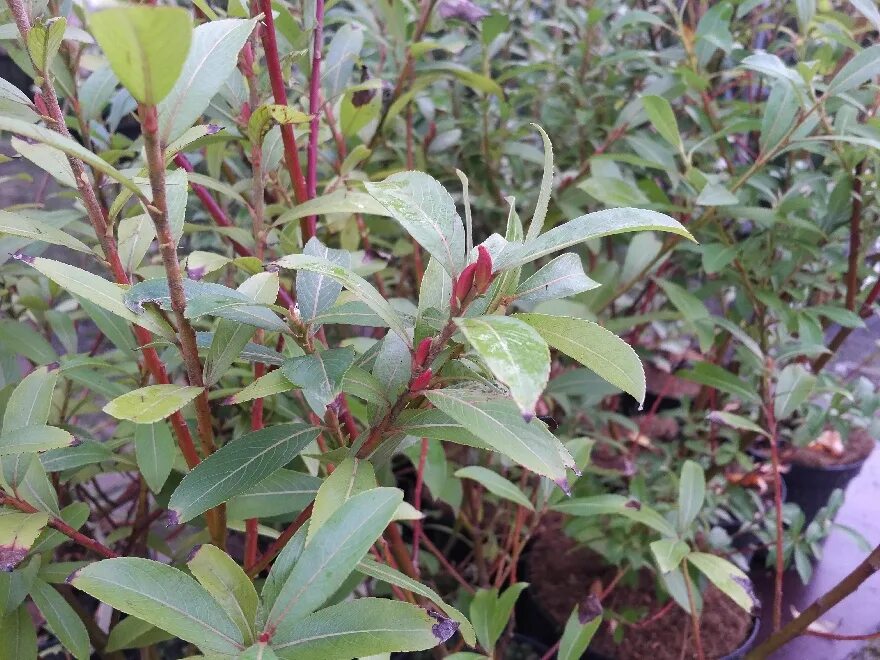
<point x="559" y="584"/>
<point x="858" y="447"/>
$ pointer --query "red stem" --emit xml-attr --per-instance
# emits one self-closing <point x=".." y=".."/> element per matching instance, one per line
<point x="279" y="543"/>
<point x="279" y="93"/>
<point x="417" y="501"/>
<point x="63" y="527"/>
<point x="315" y="109"/>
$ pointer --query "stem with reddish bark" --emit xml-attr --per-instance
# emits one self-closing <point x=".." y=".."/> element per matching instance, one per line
<point x="799" y="624"/>
<point x="315" y="110"/>
<point x="279" y="93"/>
<point x="855" y="220"/>
<point x="777" y="505"/>
<point x="61" y="526"/>
<point x="278" y="544"/>
<point x="158" y="210"/>
<point x="417" y="500"/>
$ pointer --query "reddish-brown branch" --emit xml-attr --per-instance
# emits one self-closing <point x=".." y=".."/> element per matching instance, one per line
<point x="276" y="78"/>
<point x="278" y="544"/>
<point x="855" y="221"/>
<point x="844" y="332"/>
<point x="315" y="109"/>
<point x="417" y="500"/>
<point x="799" y="624"/>
<point x="61" y="526"/>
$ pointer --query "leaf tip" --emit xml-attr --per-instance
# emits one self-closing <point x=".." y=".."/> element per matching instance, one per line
<point x="564" y="485"/>
<point x="173" y="518"/>
<point x="444" y="628"/>
<point x="70" y="578"/>
<point x="20" y="256"/>
<point x="589" y="609"/>
<point x="192" y="553"/>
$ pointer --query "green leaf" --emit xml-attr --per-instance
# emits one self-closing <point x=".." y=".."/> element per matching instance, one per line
<point x="514" y="352"/>
<point x="18" y="639"/>
<point x="43" y="42"/>
<point x="95" y="290"/>
<point x="269" y="115"/>
<point x="19" y="225"/>
<point x="719" y="378"/>
<point x="31" y="400"/>
<point x="134" y="633"/>
<point x="228" y="584"/>
<point x="155" y="449"/>
<point x="839" y="315"/>
<point x="594" y="347"/>
<point x="359" y="628"/>
<point x="259" y="652"/>
<point x="69" y="146"/>
<point x="490" y="613"/>
<point x="585" y="228"/>
<point x="25" y="475"/>
<point x="392" y="368"/>
<point x="495" y="484"/>
<point x="36" y="438"/>
<point x="18" y="531"/>
<point x="735" y="421"/>
<point x="716" y="256"/>
<point x="315" y="292"/>
<point x="374" y="569"/>
<point x="319" y="375"/>
<point x="668" y="553"/>
<point x="20" y="339"/>
<point x="75" y="515"/>
<point x="339" y="201"/>
<point x="578" y="632"/>
<point x="331" y="556"/>
<point x="715" y="194"/>
<point x="230" y="337"/>
<point x="205" y="298"/>
<point x="273" y="382"/>
<point x="496" y="421"/>
<point x="780" y="113"/>
<point x="62" y="620"/>
<point x="283" y="491"/>
<point x="691" y="494"/>
<point x="869" y="10"/>
<point x="618" y="505"/>
<point x="146" y="47"/>
<point x="238" y="466"/>
<point x="151" y="403"/>
<point x="562" y="277"/>
<point x="163" y="596"/>
<point x="727" y="577"/>
<point x="545" y="190"/>
<point x="427" y="212"/>
<point x="351" y="476"/>
<point x="662" y="118"/>
<point x="770" y="65"/>
<point x="211" y="60"/>
<point x="860" y="69"/>
<point x="436" y="289"/>
<point x="793" y="385"/>
<point x="362" y="289"/>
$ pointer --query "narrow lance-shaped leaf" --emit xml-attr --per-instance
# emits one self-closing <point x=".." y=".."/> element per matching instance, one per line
<point x="225" y="580"/>
<point x="594" y="347"/>
<point x="211" y="59"/>
<point x="860" y="69"/>
<point x="351" y="476"/>
<point x="728" y="578"/>
<point x="34" y="439"/>
<point x="96" y="290"/>
<point x="691" y="493"/>
<point x="588" y="227"/>
<point x="152" y="403"/>
<point x="163" y="596"/>
<point x="351" y="281"/>
<point x="580" y="628"/>
<point x="562" y="277"/>
<point x="363" y="627"/>
<point x="514" y="352"/>
<point x="545" y="190"/>
<point x="155" y="449"/>
<point x="319" y="375"/>
<point x="668" y="553"/>
<point x="237" y="466"/>
<point x="62" y="620"/>
<point x="496" y="421"/>
<point x="662" y="118"/>
<point x="315" y="292"/>
<point x="332" y="555"/>
<point x="374" y="569"/>
<point x="427" y="212"/>
<point x="18" y="639"/>
<point x="617" y="505"/>
<point x="15" y="224"/>
<point x="495" y="484"/>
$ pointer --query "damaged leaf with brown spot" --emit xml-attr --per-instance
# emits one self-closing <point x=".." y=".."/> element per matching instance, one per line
<point x="18" y="531"/>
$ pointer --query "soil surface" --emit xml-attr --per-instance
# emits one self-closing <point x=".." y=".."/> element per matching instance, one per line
<point x="558" y="584"/>
<point x="858" y="447"/>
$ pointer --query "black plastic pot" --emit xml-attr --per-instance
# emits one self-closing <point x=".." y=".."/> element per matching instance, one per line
<point x="811" y="487"/>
